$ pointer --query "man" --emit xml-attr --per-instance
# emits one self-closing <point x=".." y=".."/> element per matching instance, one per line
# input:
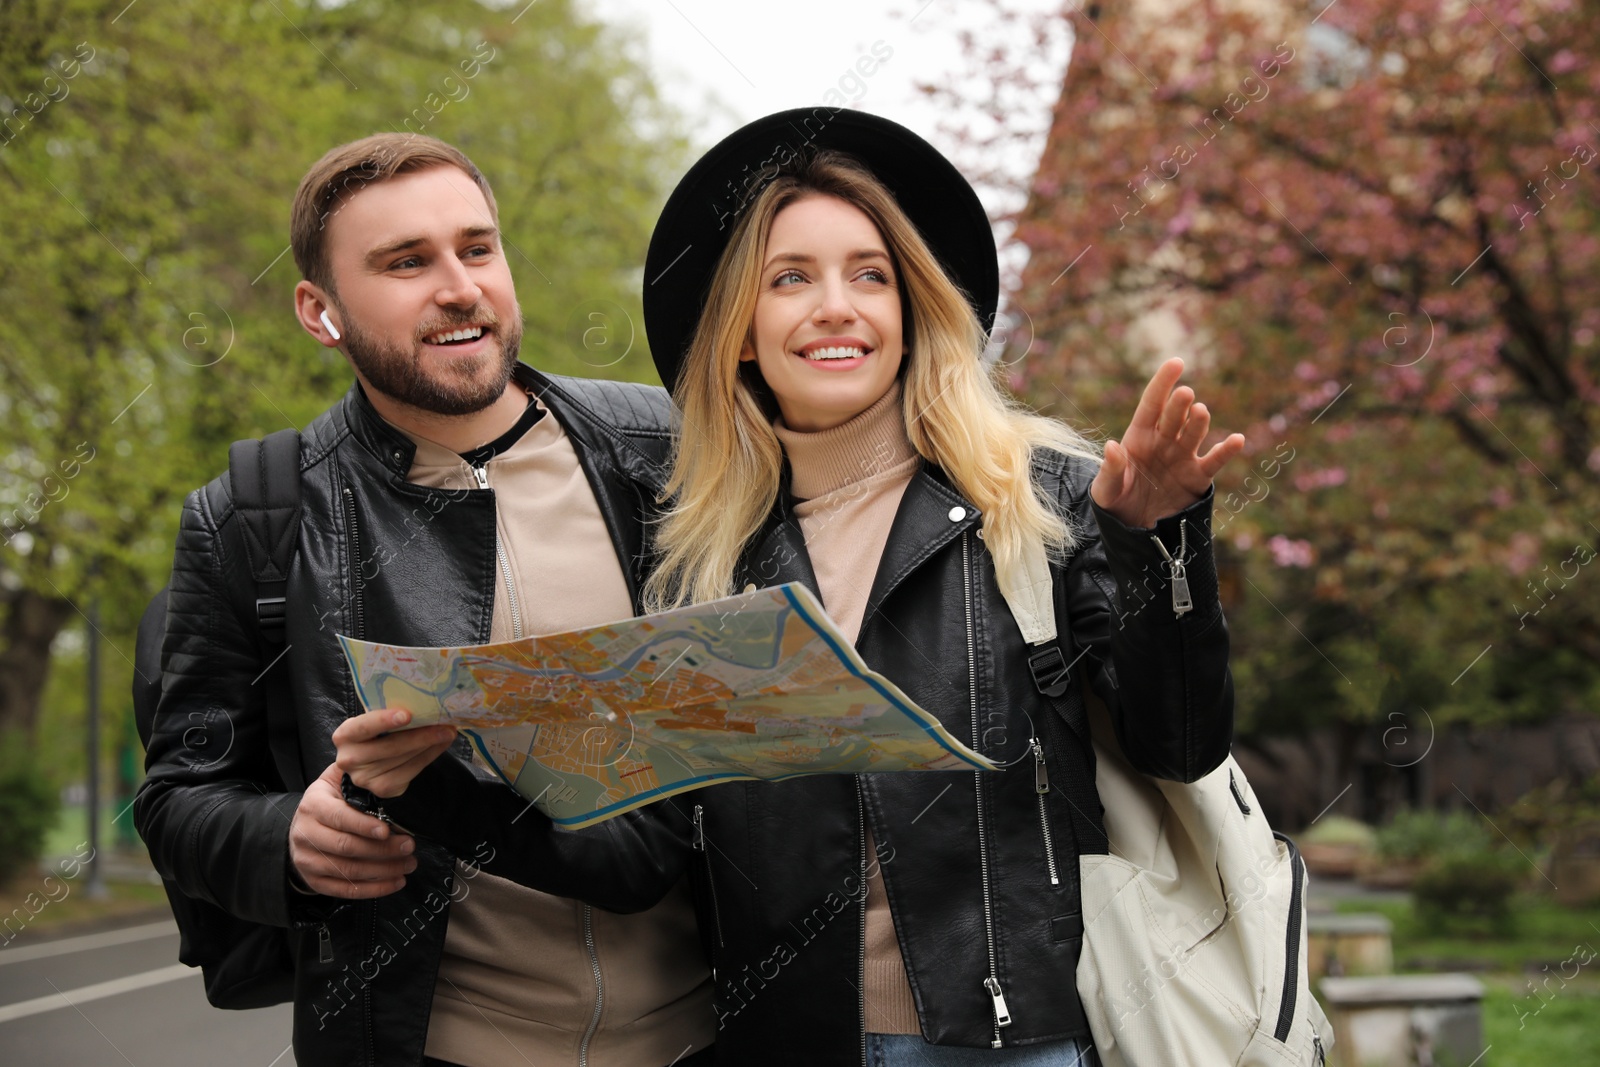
<point x="454" y="496"/>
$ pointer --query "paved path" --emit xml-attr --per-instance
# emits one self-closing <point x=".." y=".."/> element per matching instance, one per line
<point x="120" y="997"/>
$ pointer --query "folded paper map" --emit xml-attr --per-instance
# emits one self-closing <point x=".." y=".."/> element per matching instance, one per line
<point x="596" y="722"/>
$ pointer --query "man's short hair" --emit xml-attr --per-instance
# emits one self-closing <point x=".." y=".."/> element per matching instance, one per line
<point x="348" y="169"/>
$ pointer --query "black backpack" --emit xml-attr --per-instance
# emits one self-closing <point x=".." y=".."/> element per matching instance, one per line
<point x="245" y="964"/>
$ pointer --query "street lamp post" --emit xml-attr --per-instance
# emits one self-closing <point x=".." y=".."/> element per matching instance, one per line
<point x="96" y="886"/>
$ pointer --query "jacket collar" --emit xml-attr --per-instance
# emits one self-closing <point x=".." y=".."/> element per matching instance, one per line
<point x="594" y="433"/>
<point x="930" y="516"/>
<point x="388" y="445"/>
<point x="779" y="555"/>
<point x="396" y="451"/>
<point x="625" y="481"/>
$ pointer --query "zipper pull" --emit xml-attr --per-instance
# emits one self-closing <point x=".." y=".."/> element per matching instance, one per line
<point x="1002" y="1015"/>
<point x="1238" y="796"/>
<point x="1181" y="601"/>
<point x="324" y="944"/>
<point x="1180" y="589"/>
<point x="1041" y="774"/>
<point x="699" y="828"/>
<point x="483" y="477"/>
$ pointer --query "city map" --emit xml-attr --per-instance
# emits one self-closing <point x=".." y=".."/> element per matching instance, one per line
<point x="596" y="722"/>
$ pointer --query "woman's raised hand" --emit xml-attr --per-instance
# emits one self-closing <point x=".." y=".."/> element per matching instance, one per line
<point x="380" y="756"/>
<point x="1156" y="469"/>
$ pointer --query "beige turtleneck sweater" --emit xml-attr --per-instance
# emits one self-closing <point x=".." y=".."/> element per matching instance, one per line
<point x="527" y="977"/>
<point x="850" y="480"/>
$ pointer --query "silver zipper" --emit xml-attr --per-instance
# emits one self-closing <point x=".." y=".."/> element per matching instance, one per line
<point x="599" y="987"/>
<point x="1181" y="601"/>
<point x="505" y="563"/>
<point x="991" y="984"/>
<point x="1041" y="787"/>
<point x="861" y="963"/>
<point x="699" y="844"/>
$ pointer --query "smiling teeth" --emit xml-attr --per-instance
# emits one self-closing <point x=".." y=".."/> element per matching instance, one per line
<point x="835" y="353"/>
<point x="469" y="334"/>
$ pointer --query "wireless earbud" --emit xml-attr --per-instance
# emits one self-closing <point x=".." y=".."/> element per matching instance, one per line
<point x="329" y="325"/>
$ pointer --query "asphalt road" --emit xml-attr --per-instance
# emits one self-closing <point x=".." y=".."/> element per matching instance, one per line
<point x="121" y="997"/>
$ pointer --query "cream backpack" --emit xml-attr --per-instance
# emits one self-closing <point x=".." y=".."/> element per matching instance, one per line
<point x="1194" y="946"/>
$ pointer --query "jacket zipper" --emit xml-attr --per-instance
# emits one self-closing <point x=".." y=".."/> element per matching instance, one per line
<point x="599" y="986"/>
<point x="1291" y="969"/>
<point x="359" y="625"/>
<point x="515" y="606"/>
<point x="700" y="847"/>
<point x="357" y="602"/>
<point x="991" y="984"/>
<point x="324" y="944"/>
<point x="861" y="962"/>
<point x="366" y="989"/>
<point x="1041" y="787"/>
<point x="505" y="562"/>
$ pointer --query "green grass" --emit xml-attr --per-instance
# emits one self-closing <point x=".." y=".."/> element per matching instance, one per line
<point x="46" y="901"/>
<point x="1542" y="932"/>
<point x="72" y="829"/>
<point x="1523" y="1030"/>
<point x="1530" y="1017"/>
<point x="53" y="912"/>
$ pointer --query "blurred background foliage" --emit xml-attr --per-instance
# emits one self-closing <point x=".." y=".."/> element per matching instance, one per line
<point x="1372" y="227"/>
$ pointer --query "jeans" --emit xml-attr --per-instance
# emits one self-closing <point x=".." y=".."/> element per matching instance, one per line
<point x="704" y="1058"/>
<point x="910" y="1050"/>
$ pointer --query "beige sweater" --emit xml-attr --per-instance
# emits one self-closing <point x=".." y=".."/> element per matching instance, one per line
<point x="851" y="479"/>
<point x="518" y="982"/>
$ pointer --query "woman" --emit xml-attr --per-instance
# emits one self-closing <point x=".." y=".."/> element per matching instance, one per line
<point x="816" y="296"/>
<point x="839" y="429"/>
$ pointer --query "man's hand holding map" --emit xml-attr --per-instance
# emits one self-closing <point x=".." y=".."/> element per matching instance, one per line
<point x="595" y="722"/>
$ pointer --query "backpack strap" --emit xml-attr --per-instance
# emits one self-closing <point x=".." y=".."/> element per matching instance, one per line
<point x="1032" y="602"/>
<point x="1031" y="597"/>
<point x="265" y="479"/>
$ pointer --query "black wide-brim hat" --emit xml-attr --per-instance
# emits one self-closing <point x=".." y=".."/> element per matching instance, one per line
<point x="699" y="218"/>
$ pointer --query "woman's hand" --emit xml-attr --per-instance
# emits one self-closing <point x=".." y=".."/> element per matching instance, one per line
<point x="382" y="761"/>
<point x="1156" y="469"/>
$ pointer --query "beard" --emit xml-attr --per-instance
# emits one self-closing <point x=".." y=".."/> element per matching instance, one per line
<point x="461" y="386"/>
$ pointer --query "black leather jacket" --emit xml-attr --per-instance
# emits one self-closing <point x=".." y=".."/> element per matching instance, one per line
<point x="981" y="868"/>
<point x="383" y="559"/>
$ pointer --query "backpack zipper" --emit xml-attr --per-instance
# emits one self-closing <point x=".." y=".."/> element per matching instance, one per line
<point x="700" y="847"/>
<point x="1041" y="787"/>
<point x="1291" y="969"/>
<point x="991" y="984"/>
<point x="482" y="474"/>
<point x="1238" y="795"/>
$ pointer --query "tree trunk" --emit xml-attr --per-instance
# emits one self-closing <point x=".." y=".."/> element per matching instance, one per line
<point x="29" y="622"/>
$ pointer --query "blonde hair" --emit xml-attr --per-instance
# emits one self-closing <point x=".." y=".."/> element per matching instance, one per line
<point x="728" y="464"/>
